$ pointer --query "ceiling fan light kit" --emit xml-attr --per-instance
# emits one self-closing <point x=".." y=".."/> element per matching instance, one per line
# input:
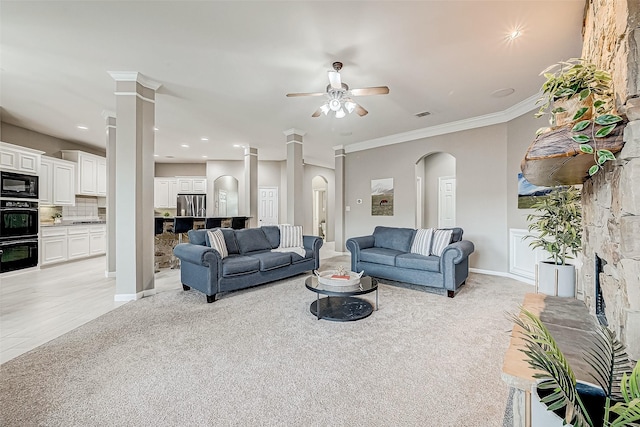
<point x="339" y="96"/>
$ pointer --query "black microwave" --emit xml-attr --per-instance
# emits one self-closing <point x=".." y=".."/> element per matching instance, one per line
<point x="18" y="185"/>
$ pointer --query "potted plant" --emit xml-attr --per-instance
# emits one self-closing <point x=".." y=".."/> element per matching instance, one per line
<point x="617" y="399"/>
<point x="577" y="93"/>
<point x="557" y="228"/>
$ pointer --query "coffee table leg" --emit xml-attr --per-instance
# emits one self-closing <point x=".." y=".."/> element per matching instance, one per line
<point x="376" y="299"/>
<point x="318" y="305"/>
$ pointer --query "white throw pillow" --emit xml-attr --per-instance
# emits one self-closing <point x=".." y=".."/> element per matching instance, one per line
<point x="422" y="242"/>
<point x="217" y="242"/>
<point x="441" y="239"/>
<point x="290" y="236"/>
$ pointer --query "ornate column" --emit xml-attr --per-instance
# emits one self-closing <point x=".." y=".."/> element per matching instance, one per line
<point x="134" y="166"/>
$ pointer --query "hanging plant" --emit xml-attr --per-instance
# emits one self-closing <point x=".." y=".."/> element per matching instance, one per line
<point x="590" y="91"/>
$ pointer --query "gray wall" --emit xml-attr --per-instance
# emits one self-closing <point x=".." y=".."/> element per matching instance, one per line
<point x="481" y="170"/>
<point x="38" y="141"/>
<point x="168" y="170"/>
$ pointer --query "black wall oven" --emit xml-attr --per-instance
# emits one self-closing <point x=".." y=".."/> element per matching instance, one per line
<point x="18" y="185"/>
<point x="18" y="234"/>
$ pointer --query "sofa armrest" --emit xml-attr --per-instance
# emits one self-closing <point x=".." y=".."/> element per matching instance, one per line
<point x="355" y="245"/>
<point x="197" y="254"/>
<point x="456" y="252"/>
<point x="313" y="243"/>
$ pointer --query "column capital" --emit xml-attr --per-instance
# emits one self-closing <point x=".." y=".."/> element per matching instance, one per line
<point x="294" y="131"/>
<point x="108" y="114"/>
<point x="250" y="151"/>
<point x="134" y="76"/>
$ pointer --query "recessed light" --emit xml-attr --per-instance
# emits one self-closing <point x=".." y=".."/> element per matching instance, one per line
<point x="82" y="127"/>
<point x="156" y="155"/>
<point x="169" y="157"/>
<point x="514" y="34"/>
<point x="237" y="145"/>
<point x="184" y="145"/>
<point x="204" y="157"/>
<point x="501" y="93"/>
<point x="155" y="129"/>
<point x="204" y="138"/>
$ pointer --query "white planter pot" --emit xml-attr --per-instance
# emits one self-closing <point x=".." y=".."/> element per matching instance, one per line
<point x="542" y="417"/>
<point x="559" y="280"/>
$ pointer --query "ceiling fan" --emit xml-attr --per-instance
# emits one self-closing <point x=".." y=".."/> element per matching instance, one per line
<point x="339" y="95"/>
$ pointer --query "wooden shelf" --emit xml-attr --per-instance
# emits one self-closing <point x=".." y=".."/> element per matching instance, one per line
<point x="555" y="159"/>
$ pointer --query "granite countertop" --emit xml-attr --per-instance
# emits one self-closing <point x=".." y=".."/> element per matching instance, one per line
<point x="67" y="223"/>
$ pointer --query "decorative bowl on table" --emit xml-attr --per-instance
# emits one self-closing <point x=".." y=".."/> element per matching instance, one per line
<point x="338" y="277"/>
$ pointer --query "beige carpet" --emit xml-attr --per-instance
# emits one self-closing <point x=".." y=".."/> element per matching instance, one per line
<point x="258" y="357"/>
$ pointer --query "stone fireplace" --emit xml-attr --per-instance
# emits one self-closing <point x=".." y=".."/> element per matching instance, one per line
<point x="611" y="198"/>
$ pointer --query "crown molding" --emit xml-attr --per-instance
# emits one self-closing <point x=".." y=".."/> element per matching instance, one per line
<point x="294" y="131"/>
<point x="471" y="123"/>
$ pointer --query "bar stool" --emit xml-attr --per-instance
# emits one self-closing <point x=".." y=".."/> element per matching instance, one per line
<point x="159" y="226"/>
<point x="182" y="224"/>
<point x="212" y="223"/>
<point x="238" y="222"/>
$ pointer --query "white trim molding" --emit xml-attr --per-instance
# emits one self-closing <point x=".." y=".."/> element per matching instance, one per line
<point x="510" y="113"/>
<point x="134" y="76"/>
<point x="128" y="297"/>
<point x="502" y="274"/>
<point x="294" y="131"/>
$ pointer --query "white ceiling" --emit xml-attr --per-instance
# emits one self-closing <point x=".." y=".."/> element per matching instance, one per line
<point x="225" y="67"/>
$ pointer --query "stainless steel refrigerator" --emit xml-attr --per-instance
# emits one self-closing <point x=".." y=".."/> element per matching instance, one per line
<point x="192" y="205"/>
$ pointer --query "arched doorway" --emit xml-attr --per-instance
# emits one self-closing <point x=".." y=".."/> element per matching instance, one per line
<point x="436" y="191"/>
<point x="319" y="186"/>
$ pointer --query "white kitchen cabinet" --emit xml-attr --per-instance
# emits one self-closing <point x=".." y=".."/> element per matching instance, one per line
<point x="53" y="245"/>
<point x="165" y="192"/>
<point x="57" y="182"/>
<point x="78" y="242"/>
<point x="91" y="172"/>
<point x="192" y="184"/>
<point x="69" y="242"/>
<point x="97" y="239"/>
<point x="19" y="159"/>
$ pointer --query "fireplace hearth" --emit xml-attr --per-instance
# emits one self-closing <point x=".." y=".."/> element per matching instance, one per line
<point x="599" y="296"/>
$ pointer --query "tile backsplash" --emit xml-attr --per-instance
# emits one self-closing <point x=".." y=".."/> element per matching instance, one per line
<point x="86" y="208"/>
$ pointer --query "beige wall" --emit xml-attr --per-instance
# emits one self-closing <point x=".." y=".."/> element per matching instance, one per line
<point x="483" y="189"/>
<point x="180" y="169"/>
<point x="38" y="141"/>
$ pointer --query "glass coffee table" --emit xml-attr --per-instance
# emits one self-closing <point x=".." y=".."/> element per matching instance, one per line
<point x="341" y="303"/>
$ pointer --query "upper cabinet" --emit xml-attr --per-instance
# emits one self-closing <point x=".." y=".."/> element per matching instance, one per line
<point x="165" y="192"/>
<point x="192" y="184"/>
<point x="57" y="182"/>
<point x="19" y="159"/>
<point x="91" y="173"/>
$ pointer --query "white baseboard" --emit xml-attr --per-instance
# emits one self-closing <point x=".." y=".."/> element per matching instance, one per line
<point x="128" y="297"/>
<point x="502" y="274"/>
<point x="148" y="292"/>
<point x="109" y="274"/>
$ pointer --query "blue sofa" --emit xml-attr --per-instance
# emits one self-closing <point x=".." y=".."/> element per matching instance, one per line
<point x="386" y="254"/>
<point x="250" y="261"/>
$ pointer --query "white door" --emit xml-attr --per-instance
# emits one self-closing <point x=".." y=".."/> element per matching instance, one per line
<point x="222" y="203"/>
<point x="268" y="206"/>
<point x="446" y="202"/>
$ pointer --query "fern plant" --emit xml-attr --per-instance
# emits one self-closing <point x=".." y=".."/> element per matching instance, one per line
<point x="611" y="371"/>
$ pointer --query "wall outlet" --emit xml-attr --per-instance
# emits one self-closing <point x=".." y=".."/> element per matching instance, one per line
<point x="347" y="208"/>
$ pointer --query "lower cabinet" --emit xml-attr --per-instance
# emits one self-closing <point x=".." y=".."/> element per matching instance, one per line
<point x="65" y="243"/>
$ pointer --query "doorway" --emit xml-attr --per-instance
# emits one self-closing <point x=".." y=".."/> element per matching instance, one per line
<point x="435" y="191"/>
<point x="319" y="185"/>
<point x="268" y="206"/>
<point x="446" y="202"/>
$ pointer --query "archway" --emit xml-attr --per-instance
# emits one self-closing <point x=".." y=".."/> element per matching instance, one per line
<point x="435" y="190"/>
<point x="319" y="210"/>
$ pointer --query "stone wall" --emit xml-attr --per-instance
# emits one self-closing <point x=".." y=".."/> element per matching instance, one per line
<point x="611" y="199"/>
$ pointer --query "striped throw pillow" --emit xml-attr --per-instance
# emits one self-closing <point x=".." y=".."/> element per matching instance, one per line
<point x="441" y="239"/>
<point x="217" y="242"/>
<point x="291" y="236"/>
<point x="422" y="242"/>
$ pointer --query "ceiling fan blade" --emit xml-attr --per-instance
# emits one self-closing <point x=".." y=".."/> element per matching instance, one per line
<point x="306" y="94"/>
<point x="316" y="113"/>
<point x="361" y="111"/>
<point x="335" y="80"/>
<point x="377" y="90"/>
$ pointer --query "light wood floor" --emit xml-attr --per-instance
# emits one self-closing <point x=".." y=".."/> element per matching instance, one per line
<point x="37" y="306"/>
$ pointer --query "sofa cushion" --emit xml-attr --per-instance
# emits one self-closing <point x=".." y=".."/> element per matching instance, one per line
<point x="379" y="255"/>
<point x="291" y="236"/>
<point x="441" y="239"/>
<point x="216" y="238"/>
<point x="198" y="237"/>
<point x="235" y="265"/>
<point x="229" y="238"/>
<point x="395" y="238"/>
<point x="418" y="262"/>
<point x="251" y="240"/>
<point x="271" y="260"/>
<point x="273" y="235"/>
<point x="422" y="242"/>
<point x="308" y="253"/>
